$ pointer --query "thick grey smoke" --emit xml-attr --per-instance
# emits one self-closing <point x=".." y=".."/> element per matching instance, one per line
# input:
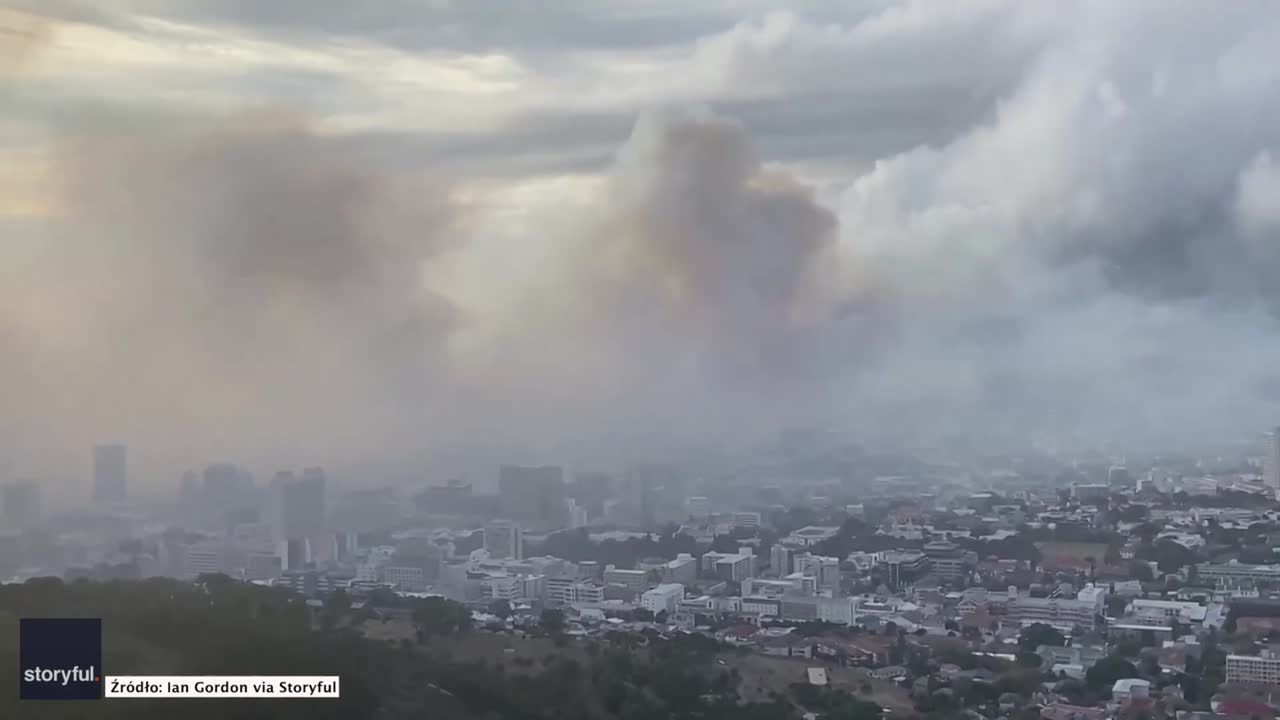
<point x="1093" y="262"/>
<point x="229" y="287"/>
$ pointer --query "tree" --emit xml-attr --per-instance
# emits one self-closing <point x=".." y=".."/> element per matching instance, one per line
<point x="660" y="616"/>
<point x="1107" y="671"/>
<point x="1037" y="634"/>
<point x="438" y="616"/>
<point x="1029" y="659"/>
<point x="336" y="607"/>
<point x="642" y="615"/>
<point x="1116" y="605"/>
<point x="552" y="621"/>
<point x="501" y="608"/>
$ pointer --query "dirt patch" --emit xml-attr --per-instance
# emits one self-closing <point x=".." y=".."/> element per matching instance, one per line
<point x="760" y="676"/>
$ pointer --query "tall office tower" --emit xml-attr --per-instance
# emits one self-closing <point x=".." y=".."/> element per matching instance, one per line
<point x="225" y="493"/>
<point x="20" y="503"/>
<point x="1118" y="476"/>
<point x="504" y="540"/>
<point x="1271" y="460"/>
<point x="591" y="490"/>
<point x="640" y="491"/>
<point x="189" y="494"/>
<point x="533" y="497"/>
<point x="302" y="504"/>
<point x="110" y="472"/>
<point x="298" y="515"/>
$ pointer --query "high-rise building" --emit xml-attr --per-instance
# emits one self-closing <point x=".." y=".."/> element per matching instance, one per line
<point x="577" y="513"/>
<point x="298" y="508"/>
<point x="453" y="498"/>
<point x="1118" y="476"/>
<point x="226" y="491"/>
<point x="533" y="497"/>
<point x="640" y="491"/>
<point x="1271" y="460"/>
<point x="504" y="540"/>
<point x="20" y="503"/>
<point x="110" y="472"/>
<point x="780" y="558"/>
<point x="591" y="490"/>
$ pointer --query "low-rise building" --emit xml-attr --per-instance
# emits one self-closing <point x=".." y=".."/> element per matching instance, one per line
<point x="1060" y="613"/>
<point x="683" y="569"/>
<point x="735" y="567"/>
<point x="811" y="535"/>
<point x="663" y="598"/>
<point x="825" y="569"/>
<point x="1263" y="668"/>
<point x="636" y="580"/>
<point x="1127" y="690"/>
<point x="1233" y="575"/>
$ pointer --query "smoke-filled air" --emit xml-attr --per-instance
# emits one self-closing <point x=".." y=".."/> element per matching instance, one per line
<point x="289" y="232"/>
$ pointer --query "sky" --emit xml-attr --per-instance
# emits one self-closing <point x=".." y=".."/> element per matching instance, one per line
<point x="314" y="231"/>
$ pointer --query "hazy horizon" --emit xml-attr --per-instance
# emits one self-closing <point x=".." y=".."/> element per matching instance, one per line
<point x="384" y="235"/>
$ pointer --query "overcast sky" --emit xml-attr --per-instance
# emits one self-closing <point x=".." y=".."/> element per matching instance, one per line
<point x="322" y="231"/>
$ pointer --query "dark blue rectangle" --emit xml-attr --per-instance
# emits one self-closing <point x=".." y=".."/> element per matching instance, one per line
<point x="61" y="659"/>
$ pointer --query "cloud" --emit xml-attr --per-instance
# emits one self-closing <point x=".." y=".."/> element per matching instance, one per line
<point x="22" y="35"/>
<point x="1258" y="197"/>
<point x="1097" y="209"/>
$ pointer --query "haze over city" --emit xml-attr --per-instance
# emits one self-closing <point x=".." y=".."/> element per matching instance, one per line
<point x="377" y="236"/>
<point x="640" y="359"/>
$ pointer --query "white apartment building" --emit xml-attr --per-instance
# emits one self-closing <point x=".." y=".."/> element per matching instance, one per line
<point x="825" y="569"/>
<point x="1185" y="612"/>
<point x="780" y="559"/>
<point x="1060" y="613"/>
<point x="764" y="607"/>
<point x="571" y="591"/>
<point x="840" y="610"/>
<point x="406" y="578"/>
<point x="204" y="558"/>
<point x="663" y="598"/>
<point x="1263" y="668"/>
<point x="683" y="570"/>
<point x="514" y="587"/>
<point x="637" y="580"/>
<point x="804" y="584"/>
<point x="1228" y="576"/>
<point x="730" y="566"/>
<point x="747" y="519"/>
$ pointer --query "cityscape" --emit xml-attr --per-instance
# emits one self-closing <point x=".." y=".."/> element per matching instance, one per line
<point x="640" y="360"/>
<point x="1121" y="588"/>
